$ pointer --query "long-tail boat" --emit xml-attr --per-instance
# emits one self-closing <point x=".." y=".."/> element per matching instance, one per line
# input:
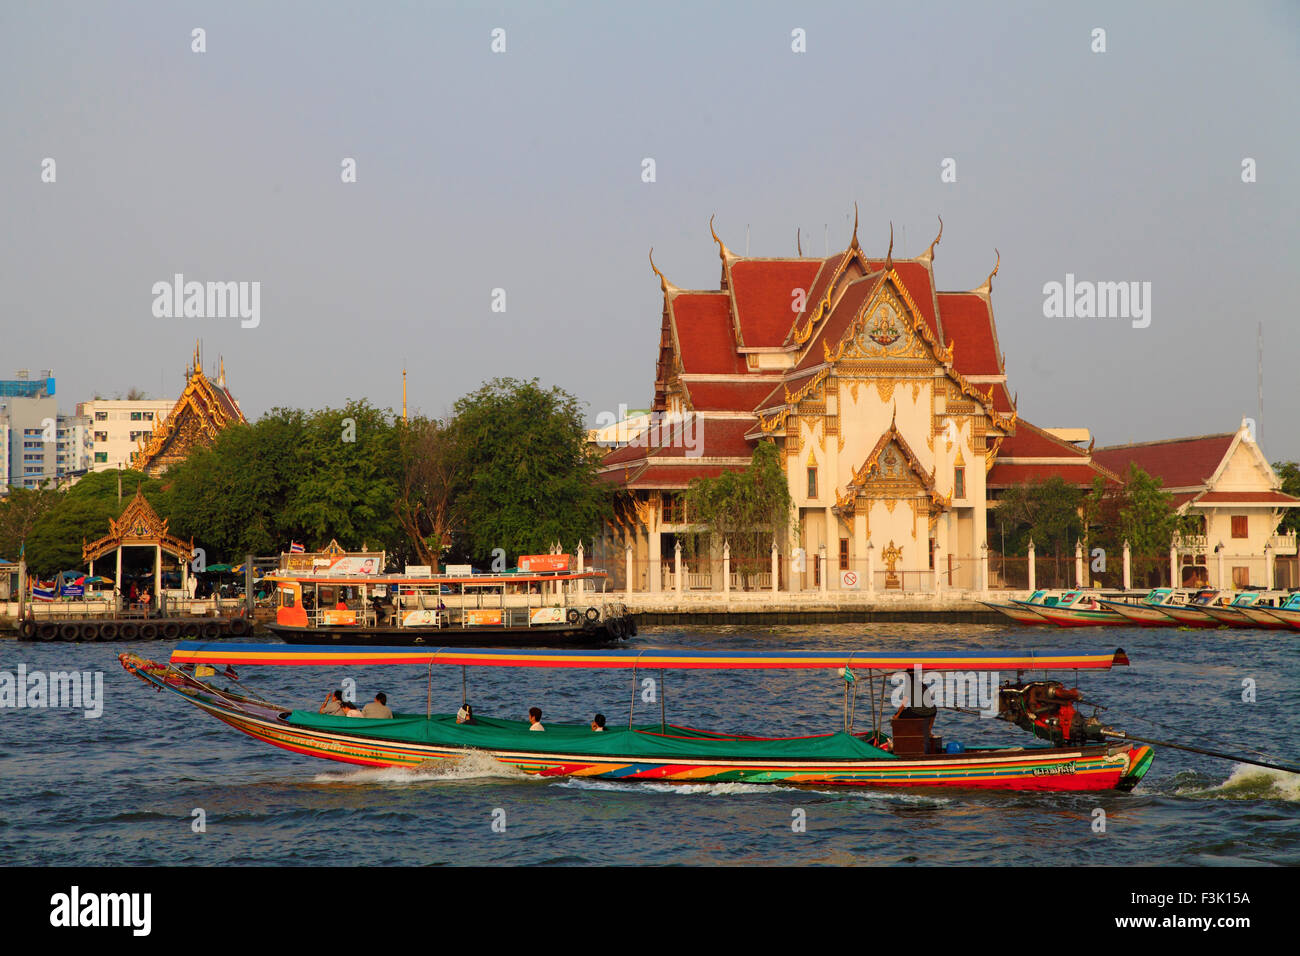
<point x="1196" y="612"/>
<point x="1235" y="615"/>
<point x="1078" y="608"/>
<point x="1288" y="613"/>
<point x="1025" y="612"/>
<point x="1079" y="753"/>
<point x="1152" y="610"/>
<point x="505" y="609"/>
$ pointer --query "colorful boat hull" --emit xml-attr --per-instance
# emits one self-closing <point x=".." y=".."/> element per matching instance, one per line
<point x="1081" y="617"/>
<point x="1020" y="613"/>
<point x="1111" y="766"/>
<point x="1141" y="613"/>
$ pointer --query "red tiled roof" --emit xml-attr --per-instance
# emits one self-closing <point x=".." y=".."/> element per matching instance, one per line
<point x="669" y="476"/>
<point x="832" y="328"/>
<point x="1002" y="475"/>
<point x="1178" y="462"/>
<point x="968" y="322"/>
<point x="1248" y="497"/>
<point x="703" y="324"/>
<point x="1030" y="441"/>
<point x="763" y="289"/>
<point x="711" y="438"/>
<point x="730" y="396"/>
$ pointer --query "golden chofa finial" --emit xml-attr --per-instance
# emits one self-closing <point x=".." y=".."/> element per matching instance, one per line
<point x="987" y="287"/>
<point x="664" y="284"/>
<point x="723" y="252"/>
<point x="930" y="252"/>
<point x="798" y="242"/>
<point x="889" y="256"/>
<point x="853" y="243"/>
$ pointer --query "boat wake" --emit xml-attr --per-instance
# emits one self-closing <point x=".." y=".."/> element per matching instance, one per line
<point x="732" y="789"/>
<point x="468" y="767"/>
<point x="1252" y="783"/>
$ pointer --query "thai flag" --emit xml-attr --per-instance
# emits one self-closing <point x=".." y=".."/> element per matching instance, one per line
<point x="42" y="592"/>
<point x="296" y="548"/>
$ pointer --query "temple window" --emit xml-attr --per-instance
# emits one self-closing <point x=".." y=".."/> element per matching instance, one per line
<point x="812" y="482"/>
<point x="959" y="483"/>
<point x="1239" y="526"/>
<point x="844" y="554"/>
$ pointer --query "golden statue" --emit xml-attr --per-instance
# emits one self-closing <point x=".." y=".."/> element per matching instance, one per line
<point x="892" y="555"/>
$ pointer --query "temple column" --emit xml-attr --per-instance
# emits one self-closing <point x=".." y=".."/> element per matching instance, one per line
<point x="726" y="570"/>
<point x="871" y="571"/>
<point x="1078" y="564"/>
<point x="983" y="583"/>
<point x="938" y="564"/>
<point x="677" y="568"/>
<point x="1173" y="565"/>
<point x="630" y="568"/>
<point x="776" y="568"/>
<point x="656" y="553"/>
<point x="1128" y="566"/>
<point x="1033" y="567"/>
<point x="1268" y="565"/>
<point x="823" y="570"/>
<point x="860" y="540"/>
<point x="1219" y="549"/>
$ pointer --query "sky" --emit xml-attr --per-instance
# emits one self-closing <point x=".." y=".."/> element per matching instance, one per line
<point x="523" y="171"/>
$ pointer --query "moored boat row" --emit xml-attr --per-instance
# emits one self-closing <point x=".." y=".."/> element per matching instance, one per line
<point x="1159" y="607"/>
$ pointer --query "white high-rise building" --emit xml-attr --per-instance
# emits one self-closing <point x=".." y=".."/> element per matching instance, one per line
<point x="119" y="426"/>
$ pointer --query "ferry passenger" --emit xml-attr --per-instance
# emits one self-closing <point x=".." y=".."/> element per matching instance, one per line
<point x="378" y="708"/>
<point x="535" y="718"/>
<point x="465" y="715"/>
<point x="598" y="723"/>
<point x="333" y="703"/>
<point x="351" y="710"/>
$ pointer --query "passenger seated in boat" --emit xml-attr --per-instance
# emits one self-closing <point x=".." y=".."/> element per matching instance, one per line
<point x="465" y="715"/>
<point x="333" y="703"/>
<point x="535" y="718"/>
<point x="598" y="723"/>
<point x="378" y="708"/>
<point x="351" y="710"/>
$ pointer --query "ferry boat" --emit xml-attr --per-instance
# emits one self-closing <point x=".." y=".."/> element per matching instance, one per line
<point x="1078" y="753"/>
<point x="514" y="608"/>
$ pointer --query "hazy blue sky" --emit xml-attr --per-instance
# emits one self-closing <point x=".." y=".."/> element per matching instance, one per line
<point x="522" y="171"/>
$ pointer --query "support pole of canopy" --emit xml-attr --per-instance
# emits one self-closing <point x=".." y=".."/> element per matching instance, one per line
<point x="428" y="706"/>
<point x="632" y="709"/>
<point x="663" y="703"/>
<point x="464" y="683"/>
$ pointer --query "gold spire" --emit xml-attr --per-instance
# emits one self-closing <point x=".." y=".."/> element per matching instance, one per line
<point x="403" y="395"/>
<point x="853" y="243"/>
<point x="987" y="287"/>
<point x="668" y="287"/>
<point x="221" y="371"/>
<point x="798" y="243"/>
<point x="889" y="256"/>
<point x="723" y="252"/>
<point x="930" y="253"/>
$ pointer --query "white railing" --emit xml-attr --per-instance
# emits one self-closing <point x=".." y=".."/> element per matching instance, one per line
<point x="1283" y="543"/>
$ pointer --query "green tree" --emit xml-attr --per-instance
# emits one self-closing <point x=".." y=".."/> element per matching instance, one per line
<point x="19" y="511"/>
<point x="429" y="483"/>
<point x="1289" y="472"/>
<point x="1045" y="511"/>
<point x="529" y="477"/>
<point x="746" y="509"/>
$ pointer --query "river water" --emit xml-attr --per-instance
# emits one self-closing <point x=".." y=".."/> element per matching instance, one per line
<point x="124" y="788"/>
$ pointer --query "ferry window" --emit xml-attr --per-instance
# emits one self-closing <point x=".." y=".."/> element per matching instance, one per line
<point x="287" y="597"/>
<point x="812" y="482"/>
<point x="844" y="554"/>
<point x="1239" y="524"/>
<point x="959" y="483"/>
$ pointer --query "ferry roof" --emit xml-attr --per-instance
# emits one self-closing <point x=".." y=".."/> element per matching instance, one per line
<point x="480" y="580"/>
<point x="202" y="652"/>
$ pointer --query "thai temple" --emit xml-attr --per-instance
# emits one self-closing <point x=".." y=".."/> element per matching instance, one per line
<point x="888" y="400"/>
<point x="204" y="409"/>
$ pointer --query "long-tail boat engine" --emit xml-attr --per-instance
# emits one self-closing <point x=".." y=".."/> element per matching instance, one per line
<point x="1046" y="708"/>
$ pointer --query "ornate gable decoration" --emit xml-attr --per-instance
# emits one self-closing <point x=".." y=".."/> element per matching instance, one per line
<point x="891" y="471"/>
<point x="198" y="416"/>
<point x="888" y="325"/>
<point x="138" y="524"/>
